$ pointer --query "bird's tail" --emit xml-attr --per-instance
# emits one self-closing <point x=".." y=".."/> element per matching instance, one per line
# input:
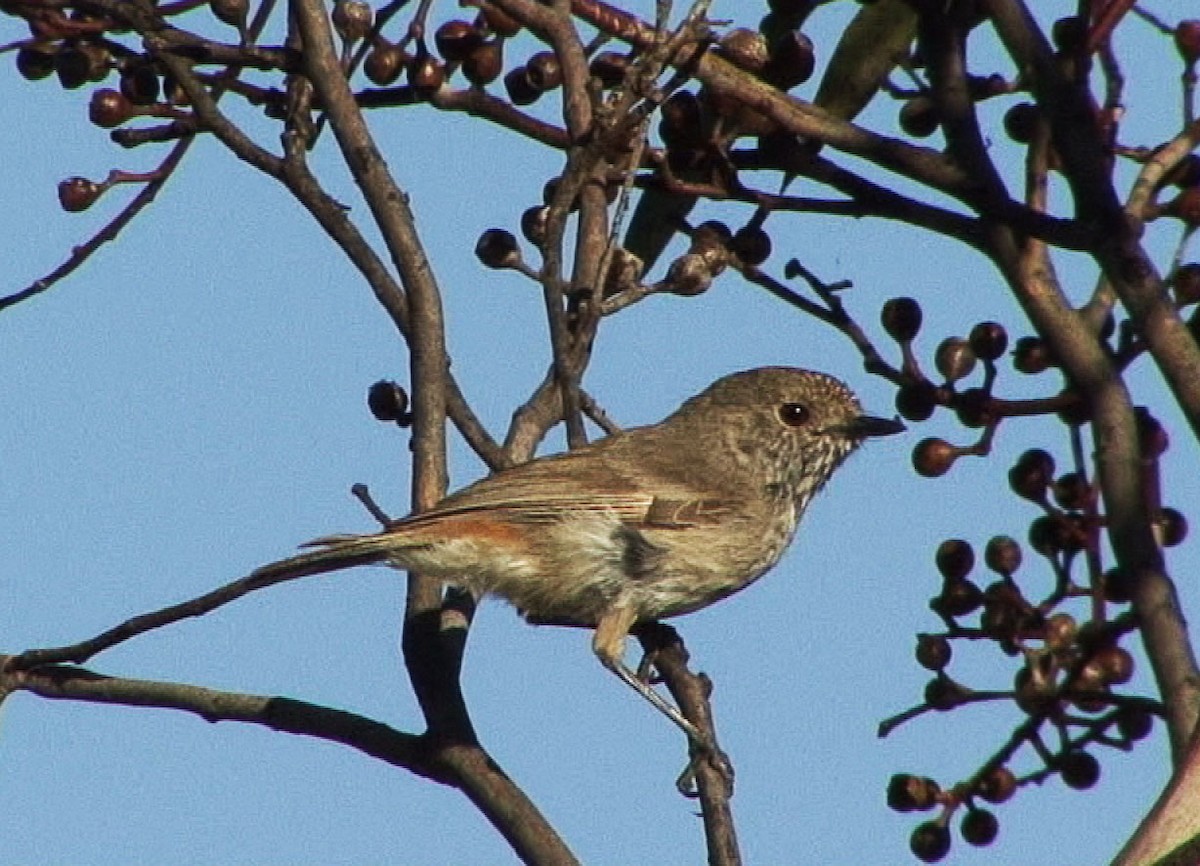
<point x="332" y="553"/>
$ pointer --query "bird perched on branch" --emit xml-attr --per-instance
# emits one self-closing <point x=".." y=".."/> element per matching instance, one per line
<point x="648" y="523"/>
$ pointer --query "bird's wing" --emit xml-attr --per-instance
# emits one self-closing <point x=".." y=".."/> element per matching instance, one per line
<point x="546" y="489"/>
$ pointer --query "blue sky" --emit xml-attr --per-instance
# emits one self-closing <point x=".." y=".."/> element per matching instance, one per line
<point x="191" y="404"/>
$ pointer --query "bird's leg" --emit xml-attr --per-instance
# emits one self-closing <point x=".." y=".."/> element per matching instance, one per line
<point x="609" y="645"/>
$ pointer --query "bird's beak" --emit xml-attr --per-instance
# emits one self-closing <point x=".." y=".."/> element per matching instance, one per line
<point x="866" y="426"/>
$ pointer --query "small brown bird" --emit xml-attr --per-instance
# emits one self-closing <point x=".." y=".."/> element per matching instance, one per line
<point x="648" y="523"/>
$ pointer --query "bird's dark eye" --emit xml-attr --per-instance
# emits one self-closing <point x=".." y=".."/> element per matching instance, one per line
<point x="793" y="414"/>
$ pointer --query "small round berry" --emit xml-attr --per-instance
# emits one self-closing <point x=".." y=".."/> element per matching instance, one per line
<point x="979" y="827"/>
<point x="499" y="21"/>
<point x="519" y="88"/>
<point x="533" y="224"/>
<point x="930" y="842"/>
<point x="689" y="275"/>
<point x="388" y="402"/>
<point x="384" y="63"/>
<point x="997" y="785"/>
<point x="1020" y="121"/>
<point x="933" y="651"/>
<point x="1032" y="474"/>
<point x="36" y="60"/>
<point x="909" y="793"/>
<point x="1187" y="284"/>
<point x="1072" y="492"/>
<point x="352" y="19"/>
<point x="109" y="108"/>
<point x="1172" y="527"/>
<point x="545" y="72"/>
<point x="957" y="598"/>
<point x="933" y="457"/>
<point x="231" y="12"/>
<point x="792" y="60"/>
<point x="916" y="401"/>
<point x="609" y="68"/>
<point x="954" y="558"/>
<point x="77" y="194"/>
<point x="901" y="318"/>
<point x="1002" y="555"/>
<point x="1031" y="356"/>
<point x="1060" y="632"/>
<point x="954" y="358"/>
<point x="919" y="117"/>
<point x="1187" y="40"/>
<point x="497" y="248"/>
<point x="988" y="340"/>
<point x="455" y="39"/>
<point x="752" y="245"/>
<point x="484" y="64"/>
<point x="1079" y="769"/>
<point x="1134" y="723"/>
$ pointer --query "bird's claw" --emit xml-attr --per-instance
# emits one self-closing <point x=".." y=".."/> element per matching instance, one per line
<point x="705" y="753"/>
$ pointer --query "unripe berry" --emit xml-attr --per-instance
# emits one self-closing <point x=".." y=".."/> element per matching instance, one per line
<point x="497" y="248"/>
<point x="901" y="318"/>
